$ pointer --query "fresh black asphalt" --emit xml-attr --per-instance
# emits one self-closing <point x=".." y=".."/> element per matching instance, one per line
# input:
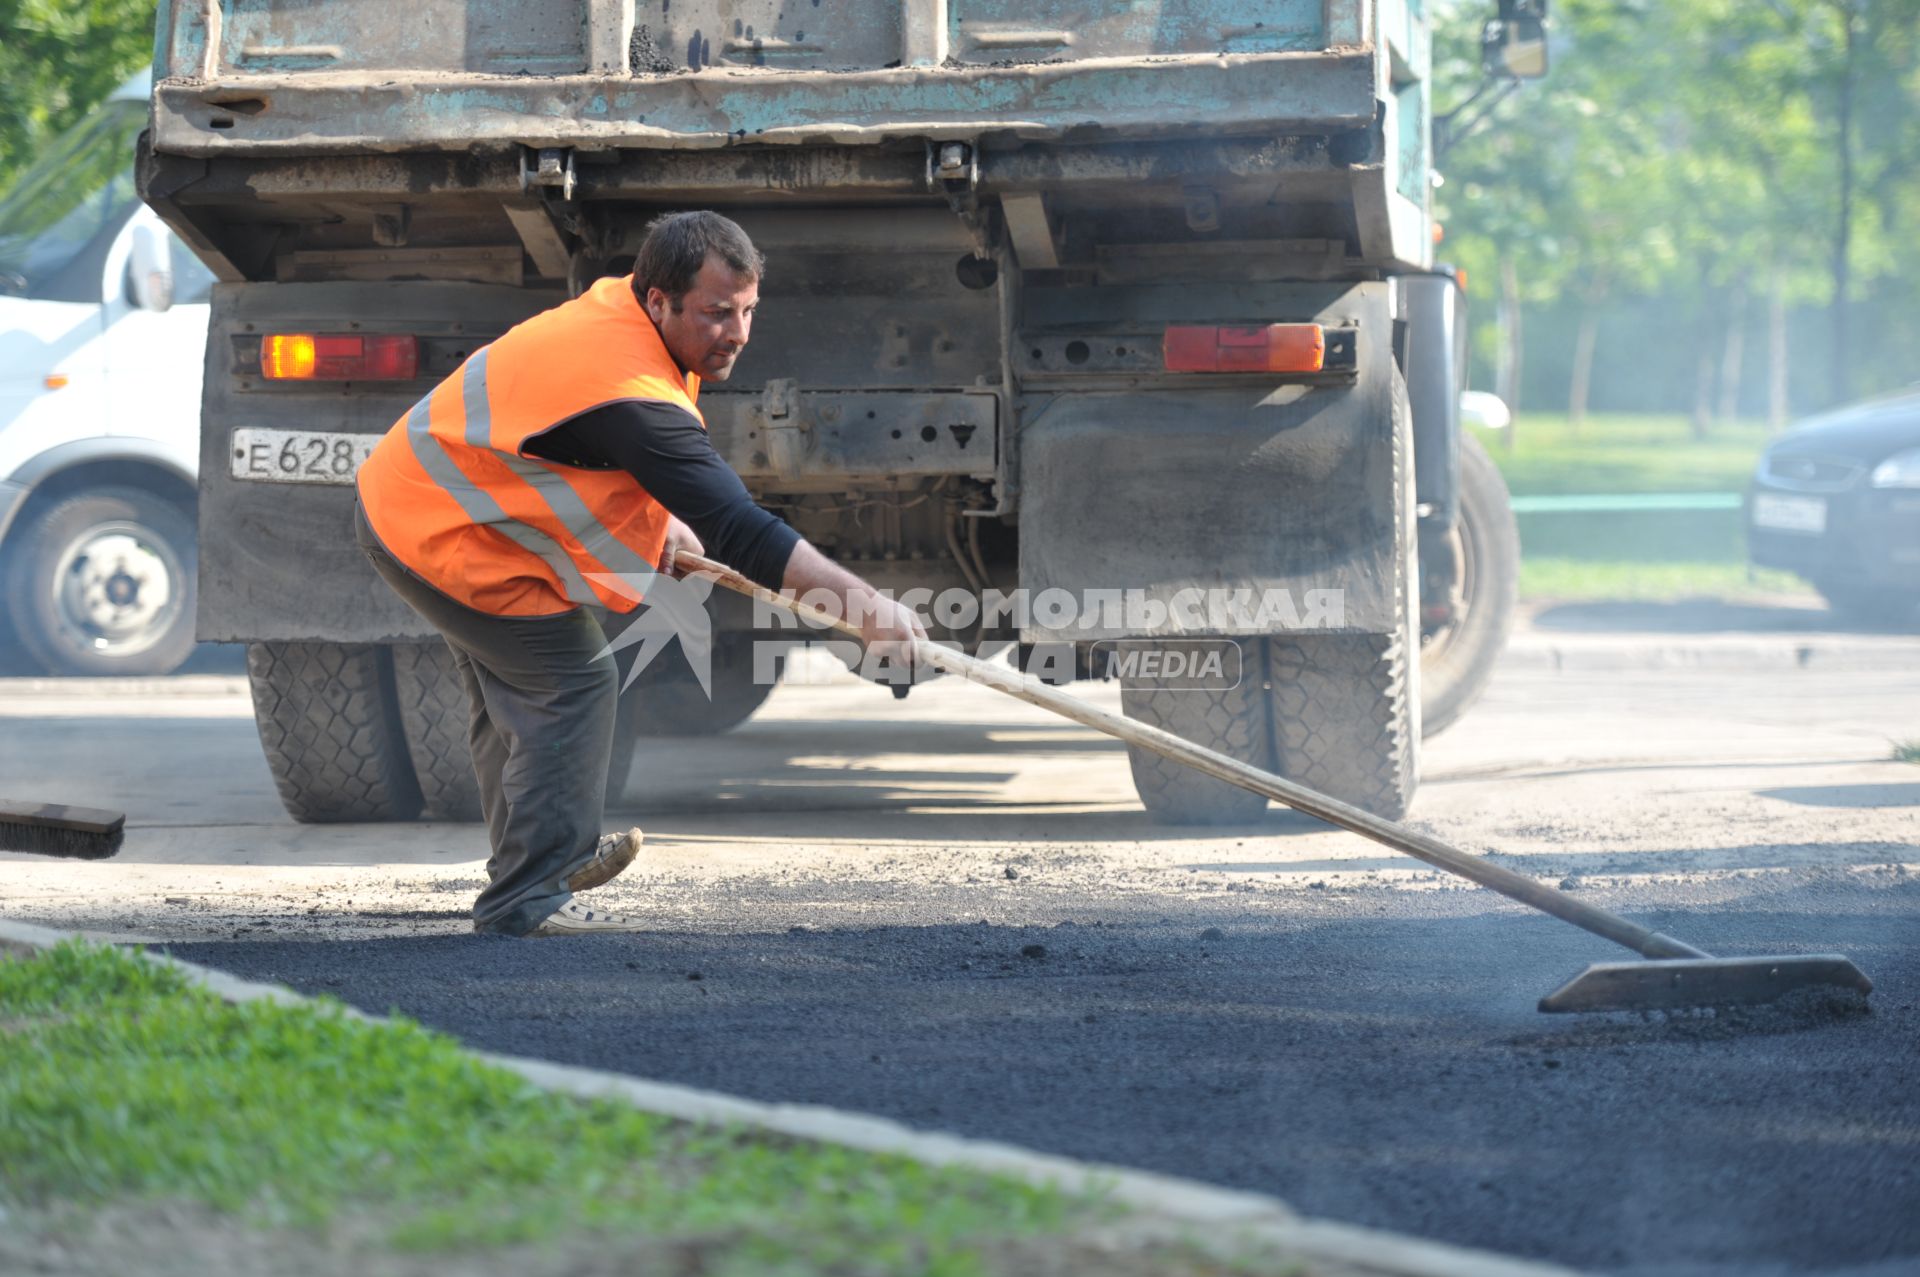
<point x="1371" y="1056"/>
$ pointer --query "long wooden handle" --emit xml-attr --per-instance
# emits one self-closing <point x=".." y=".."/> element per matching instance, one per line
<point x="1527" y="891"/>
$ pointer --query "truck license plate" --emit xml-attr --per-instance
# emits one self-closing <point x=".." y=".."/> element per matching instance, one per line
<point x="1789" y="514"/>
<point x="298" y="456"/>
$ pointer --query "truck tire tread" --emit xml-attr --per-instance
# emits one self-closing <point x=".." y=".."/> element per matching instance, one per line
<point x="1232" y="721"/>
<point x="1340" y="721"/>
<point x="433" y="716"/>
<point x="1455" y="670"/>
<point x="331" y="731"/>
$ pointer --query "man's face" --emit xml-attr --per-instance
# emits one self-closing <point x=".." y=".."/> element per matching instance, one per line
<point x="708" y="330"/>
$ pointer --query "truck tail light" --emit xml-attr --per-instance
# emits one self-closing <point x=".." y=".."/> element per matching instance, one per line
<point x="1274" y="348"/>
<point x="339" y="357"/>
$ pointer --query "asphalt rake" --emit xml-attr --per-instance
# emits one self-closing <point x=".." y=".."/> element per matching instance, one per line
<point x="1675" y="974"/>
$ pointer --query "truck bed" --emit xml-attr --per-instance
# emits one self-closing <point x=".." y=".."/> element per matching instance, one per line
<point x="239" y="77"/>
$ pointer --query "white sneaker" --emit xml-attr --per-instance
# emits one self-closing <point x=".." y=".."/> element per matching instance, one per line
<point x="613" y="853"/>
<point x="575" y="919"/>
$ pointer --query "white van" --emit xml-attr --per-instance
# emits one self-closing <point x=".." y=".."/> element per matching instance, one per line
<point x="103" y="328"/>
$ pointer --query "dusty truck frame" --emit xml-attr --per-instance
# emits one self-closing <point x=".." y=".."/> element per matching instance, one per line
<point x="982" y="220"/>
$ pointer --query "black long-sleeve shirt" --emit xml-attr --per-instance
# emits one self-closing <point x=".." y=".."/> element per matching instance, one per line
<point x="663" y="447"/>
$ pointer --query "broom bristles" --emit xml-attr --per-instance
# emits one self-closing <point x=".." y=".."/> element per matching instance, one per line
<point x="49" y="829"/>
<point x="70" y="843"/>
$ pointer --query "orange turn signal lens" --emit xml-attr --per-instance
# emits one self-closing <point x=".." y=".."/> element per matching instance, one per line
<point x="340" y="357"/>
<point x="288" y="356"/>
<point x="1274" y="348"/>
<point x="56" y="381"/>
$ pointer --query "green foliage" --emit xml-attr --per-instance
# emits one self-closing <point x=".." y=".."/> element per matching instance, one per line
<point x="1906" y="751"/>
<point x="1693" y="154"/>
<point x="59" y="59"/>
<point x="117" y="1079"/>
<point x="79" y="185"/>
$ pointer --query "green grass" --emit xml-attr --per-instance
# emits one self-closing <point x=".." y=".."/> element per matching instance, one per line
<point x="1619" y="453"/>
<point x="118" y="1080"/>
<point x="1906" y="751"/>
<point x="1649" y="582"/>
<point x="1634" y="555"/>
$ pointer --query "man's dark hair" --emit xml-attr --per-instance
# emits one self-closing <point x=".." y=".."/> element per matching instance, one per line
<point x="677" y="246"/>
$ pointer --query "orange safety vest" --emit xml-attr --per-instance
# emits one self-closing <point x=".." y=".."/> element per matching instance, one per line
<point x="453" y="496"/>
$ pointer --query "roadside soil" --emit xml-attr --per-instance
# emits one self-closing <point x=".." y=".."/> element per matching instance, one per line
<point x="171" y="1239"/>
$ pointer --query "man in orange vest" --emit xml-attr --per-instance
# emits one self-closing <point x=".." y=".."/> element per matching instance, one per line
<point x="548" y="479"/>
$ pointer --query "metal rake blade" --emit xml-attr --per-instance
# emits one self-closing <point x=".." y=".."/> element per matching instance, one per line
<point x="1699" y="982"/>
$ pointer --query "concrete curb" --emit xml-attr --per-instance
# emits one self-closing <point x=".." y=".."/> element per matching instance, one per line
<point x="1651" y="652"/>
<point x="1223" y="1214"/>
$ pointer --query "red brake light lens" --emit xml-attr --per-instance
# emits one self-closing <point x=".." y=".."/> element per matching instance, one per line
<point x="340" y="357"/>
<point x="1273" y="348"/>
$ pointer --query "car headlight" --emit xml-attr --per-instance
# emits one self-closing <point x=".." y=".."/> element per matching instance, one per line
<point x="1901" y="470"/>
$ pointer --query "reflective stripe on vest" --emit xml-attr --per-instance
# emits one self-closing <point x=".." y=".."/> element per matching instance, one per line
<point x="452" y="496"/>
<point x="596" y="537"/>
<point x="484" y="510"/>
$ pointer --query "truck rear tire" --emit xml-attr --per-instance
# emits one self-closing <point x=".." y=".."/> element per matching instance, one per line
<point x="1231" y="722"/>
<point x="668" y="699"/>
<point x="434" y="715"/>
<point x="1331" y="711"/>
<point x="331" y="731"/>
<point x="103" y="583"/>
<point x="1343" y="720"/>
<point x="1457" y="659"/>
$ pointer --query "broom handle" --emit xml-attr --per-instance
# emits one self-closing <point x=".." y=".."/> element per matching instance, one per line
<point x="1528" y="891"/>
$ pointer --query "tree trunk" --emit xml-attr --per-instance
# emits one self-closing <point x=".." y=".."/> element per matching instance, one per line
<point x="1705" y="365"/>
<point x="1512" y="345"/>
<point x="1843" y="231"/>
<point x="1733" y="353"/>
<point x="1702" y="416"/>
<point x="1583" y="345"/>
<point x="1777" y="409"/>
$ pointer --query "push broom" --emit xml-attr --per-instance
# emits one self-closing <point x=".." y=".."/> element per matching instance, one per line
<point x="1678" y="974"/>
<point x="51" y="829"/>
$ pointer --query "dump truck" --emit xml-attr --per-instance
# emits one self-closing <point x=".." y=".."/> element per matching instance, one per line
<point x="1083" y="301"/>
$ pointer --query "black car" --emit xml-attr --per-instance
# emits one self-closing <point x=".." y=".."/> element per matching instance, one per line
<point x="1837" y="500"/>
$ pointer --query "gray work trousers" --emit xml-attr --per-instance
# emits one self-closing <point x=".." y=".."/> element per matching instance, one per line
<point x="543" y="699"/>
